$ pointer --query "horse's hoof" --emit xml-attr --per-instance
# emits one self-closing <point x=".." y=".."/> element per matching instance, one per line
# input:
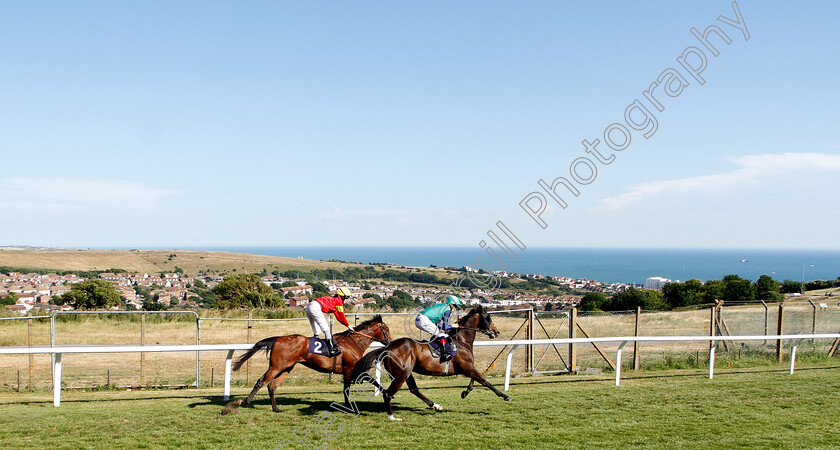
<point x="464" y="394"/>
<point x="394" y="418"/>
<point x="507" y="399"/>
<point x="437" y="407"/>
<point x="277" y="410"/>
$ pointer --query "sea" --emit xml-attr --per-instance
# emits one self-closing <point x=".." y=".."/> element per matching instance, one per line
<point x="602" y="264"/>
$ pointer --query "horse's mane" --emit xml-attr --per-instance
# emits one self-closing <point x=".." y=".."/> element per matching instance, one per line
<point x="375" y="319"/>
<point x="463" y="320"/>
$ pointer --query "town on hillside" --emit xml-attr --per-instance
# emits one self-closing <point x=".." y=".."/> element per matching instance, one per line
<point x="42" y="292"/>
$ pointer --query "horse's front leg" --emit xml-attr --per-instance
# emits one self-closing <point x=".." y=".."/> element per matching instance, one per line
<point x="412" y="387"/>
<point x="468" y="389"/>
<point x="472" y="373"/>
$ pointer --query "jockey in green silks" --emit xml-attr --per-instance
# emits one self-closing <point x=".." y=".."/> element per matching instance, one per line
<point x="435" y="321"/>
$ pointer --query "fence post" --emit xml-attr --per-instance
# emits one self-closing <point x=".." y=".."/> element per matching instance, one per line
<point x="142" y="355"/>
<point x="530" y="366"/>
<point x="712" y="327"/>
<point x="813" y="316"/>
<point x="572" y="335"/>
<point x="197" y="354"/>
<point x="781" y="327"/>
<point x="248" y="363"/>
<point x="31" y="357"/>
<point x="636" y="343"/>
<point x="765" y="318"/>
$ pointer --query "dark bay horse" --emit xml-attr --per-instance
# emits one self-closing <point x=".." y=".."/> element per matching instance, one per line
<point x="287" y="351"/>
<point x="404" y="356"/>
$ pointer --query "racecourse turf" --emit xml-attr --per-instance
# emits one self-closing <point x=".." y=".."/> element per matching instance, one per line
<point x="755" y="408"/>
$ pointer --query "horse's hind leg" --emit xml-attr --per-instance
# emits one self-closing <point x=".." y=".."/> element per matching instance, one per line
<point x="274" y="384"/>
<point x="389" y="393"/>
<point x="412" y="387"/>
<point x="468" y="389"/>
<point x="257" y="386"/>
<point x="268" y="375"/>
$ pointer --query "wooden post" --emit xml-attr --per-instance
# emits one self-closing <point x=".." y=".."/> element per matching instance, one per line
<point x="636" y="344"/>
<point x="530" y="353"/>
<point x="212" y="377"/>
<point x="142" y="355"/>
<point x="108" y="378"/>
<point x="572" y="334"/>
<point x="247" y="363"/>
<point x="712" y="325"/>
<point x="766" y="315"/>
<point x="780" y="329"/>
<point x="813" y="316"/>
<point x="31" y="358"/>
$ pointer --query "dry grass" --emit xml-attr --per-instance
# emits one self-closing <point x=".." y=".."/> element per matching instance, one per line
<point x="155" y="261"/>
<point x="179" y="368"/>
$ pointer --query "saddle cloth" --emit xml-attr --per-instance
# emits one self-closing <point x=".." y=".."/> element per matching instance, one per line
<point x="434" y="348"/>
<point x="318" y="346"/>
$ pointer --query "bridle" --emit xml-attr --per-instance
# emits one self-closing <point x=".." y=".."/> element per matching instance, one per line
<point x="381" y="331"/>
<point x="485" y="331"/>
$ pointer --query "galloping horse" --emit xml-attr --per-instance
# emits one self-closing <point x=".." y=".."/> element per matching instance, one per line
<point x="404" y="356"/>
<point x="287" y="351"/>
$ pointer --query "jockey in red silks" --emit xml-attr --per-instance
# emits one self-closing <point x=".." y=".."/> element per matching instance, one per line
<point x="328" y="305"/>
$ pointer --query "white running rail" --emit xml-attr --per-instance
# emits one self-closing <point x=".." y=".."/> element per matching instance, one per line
<point x="231" y="348"/>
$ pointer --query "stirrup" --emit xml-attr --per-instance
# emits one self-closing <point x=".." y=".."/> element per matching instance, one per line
<point x="333" y="347"/>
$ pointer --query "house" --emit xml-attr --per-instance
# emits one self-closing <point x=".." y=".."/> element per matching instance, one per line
<point x="298" y="302"/>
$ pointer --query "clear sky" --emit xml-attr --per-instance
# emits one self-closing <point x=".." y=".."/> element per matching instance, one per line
<point x="414" y="124"/>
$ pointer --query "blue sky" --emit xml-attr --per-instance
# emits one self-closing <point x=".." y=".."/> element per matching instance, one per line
<point x="386" y="123"/>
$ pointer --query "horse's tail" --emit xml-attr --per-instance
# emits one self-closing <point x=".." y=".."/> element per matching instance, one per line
<point x="264" y="344"/>
<point x="366" y="363"/>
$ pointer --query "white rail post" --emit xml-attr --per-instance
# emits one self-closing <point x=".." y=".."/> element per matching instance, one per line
<point x="793" y="355"/>
<point x="712" y="362"/>
<point x="507" y="367"/>
<point x="56" y="379"/>
<point x="618" y="362"/>
<point x="378" y="375"/>
<point x="227" y="374"/>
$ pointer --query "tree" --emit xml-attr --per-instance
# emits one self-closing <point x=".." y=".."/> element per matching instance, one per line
<point x="153" y="305"/>
<point x="767" y="289"/>
<point x="646" y="298"/>
<point x="790" y="287"/>
<point x="91" y="294"/>
<point x="245" y="291"/>
<point x="592" y="301"/>
<point x="549" y="306"/>
<point x="11" y="299"/>
<point x="737" y="289"/>
<point x="319" y="290"/>
<point x="683" y="294"/>
<point x="712" y="290"/>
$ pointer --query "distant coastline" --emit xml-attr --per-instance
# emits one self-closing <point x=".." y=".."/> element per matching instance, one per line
<point x="605" y="265"/>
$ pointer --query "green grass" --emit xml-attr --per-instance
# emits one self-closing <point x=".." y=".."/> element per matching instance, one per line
<point x="758" y="408"/>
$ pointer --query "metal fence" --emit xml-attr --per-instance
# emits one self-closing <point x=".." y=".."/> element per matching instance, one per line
<point x="164" y="328"/>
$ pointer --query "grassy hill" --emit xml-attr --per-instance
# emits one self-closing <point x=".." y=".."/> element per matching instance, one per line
<point x="155" y="261"/>
<point x="191" y="261"/>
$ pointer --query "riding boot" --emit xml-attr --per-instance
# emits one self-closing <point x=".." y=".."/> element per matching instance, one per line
<point x="332" y="346"/>
<point x="445" y="350"/>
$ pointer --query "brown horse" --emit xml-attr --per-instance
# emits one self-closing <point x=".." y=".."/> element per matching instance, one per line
<point x="404" y="356"/>
<point x="287" y="351"/>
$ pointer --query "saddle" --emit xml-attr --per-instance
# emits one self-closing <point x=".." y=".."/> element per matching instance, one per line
<point x="434" y="348"/>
